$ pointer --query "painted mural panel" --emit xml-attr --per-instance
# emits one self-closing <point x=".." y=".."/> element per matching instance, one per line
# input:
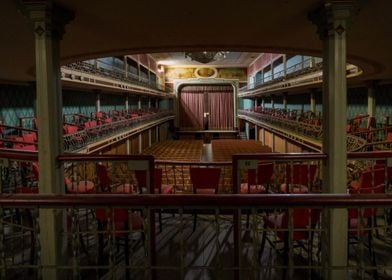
<point x="206" y="72"/>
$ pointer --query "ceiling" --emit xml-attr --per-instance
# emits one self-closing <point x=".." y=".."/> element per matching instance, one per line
<point x="232" y="59"/>
<point x="102" y="28"/>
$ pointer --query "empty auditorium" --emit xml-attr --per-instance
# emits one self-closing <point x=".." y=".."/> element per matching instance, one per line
<point x="195" y="140"/>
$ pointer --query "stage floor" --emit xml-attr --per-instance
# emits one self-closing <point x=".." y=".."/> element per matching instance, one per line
<point x="196" y="151"/>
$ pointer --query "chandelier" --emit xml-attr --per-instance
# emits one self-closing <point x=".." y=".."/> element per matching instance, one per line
<point x="205" y="57"/>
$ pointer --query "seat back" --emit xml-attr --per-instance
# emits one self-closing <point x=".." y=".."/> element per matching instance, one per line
<point x="264" y="174"/>
<point x="372" y="178"/>
<point x="301" y="174"/>
<point x="141" y="177"/>
<point x="103" y="178"/>
<point x="205" y="178"/>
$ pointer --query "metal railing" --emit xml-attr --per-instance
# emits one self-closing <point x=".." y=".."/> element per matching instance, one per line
<point x="110" y="71"/>
<point x="305" y="67"/>
<point x="235" y="236"/>
<point x="222" y="246"/>
<point x="76" y="141"/>
<point x="304" y="128"/>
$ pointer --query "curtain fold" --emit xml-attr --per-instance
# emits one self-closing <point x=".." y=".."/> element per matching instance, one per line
<point x="191" y="110"/>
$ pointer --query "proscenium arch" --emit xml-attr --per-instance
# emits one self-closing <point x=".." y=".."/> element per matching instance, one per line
<point x="178" y="85"/>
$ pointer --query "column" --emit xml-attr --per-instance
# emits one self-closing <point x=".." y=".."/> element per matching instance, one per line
<point x="262" y="102"/>
<point x="140" y="143"/>
<point x="149" y="102"/>
<point x="256" y="133"/>
<point x="157" y="103"/>
<point x="149" y="137"/>
<point x="98" y="102"/>
<point x="285" y="101"/>
<point x="284" y="66"/>
<point x="255" y="103"/>
<point x="48" y="21"/>
<point x="157" y="134"/>
<point x="273" y="142"/>
<point x="263" y="135"/>
<point x="139" y="102"/>
<point x="332" y="20"/>
<point x="371" y="99"/>
<point x="313" y="101"/>
<point x="272" y="102"/>
<point x="125" y="66"/>
<point x="127" y="103"/>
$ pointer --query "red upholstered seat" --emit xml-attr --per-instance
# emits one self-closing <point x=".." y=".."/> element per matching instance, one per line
<point x="141" y="178"/>
<point x="299" y="177"/>
<point x="258" y="183"/>
<point x="205" y="179"/>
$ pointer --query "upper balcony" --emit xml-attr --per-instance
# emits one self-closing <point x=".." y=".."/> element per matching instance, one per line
<point x="306" y="73"/>
<point x="113" y="76"/>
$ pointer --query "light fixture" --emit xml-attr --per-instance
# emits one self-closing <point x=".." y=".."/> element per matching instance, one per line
<point x="205" y="57"/>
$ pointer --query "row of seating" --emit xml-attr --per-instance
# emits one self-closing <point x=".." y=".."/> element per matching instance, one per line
<point x="78" y="130"/>
<point x="279" y="117"/>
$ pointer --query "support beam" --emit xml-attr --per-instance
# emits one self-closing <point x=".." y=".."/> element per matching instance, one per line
<point x="127" y="103"/>
<point x="371" y="89"/>
<point x="332" y="22"/>
<point x="285" y="101"/>
<point x="98" y="103"/>
<point x="48" y="22"/>
<point x="313" y="101"/>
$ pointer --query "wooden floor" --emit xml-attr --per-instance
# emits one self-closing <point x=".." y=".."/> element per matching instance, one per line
<point x="197" y="151"/>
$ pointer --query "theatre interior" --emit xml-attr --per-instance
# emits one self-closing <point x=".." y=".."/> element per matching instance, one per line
<point x="195" y="140"/>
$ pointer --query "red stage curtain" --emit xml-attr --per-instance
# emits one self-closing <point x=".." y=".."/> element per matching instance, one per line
<point x="220" y="107"/>
<point x="191" y="110"/>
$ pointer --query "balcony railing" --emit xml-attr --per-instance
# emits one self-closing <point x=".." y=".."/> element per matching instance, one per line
<point x="231" y="235"/>
<point x="80" y="139"/>
<point x="307" y="128"/>
<point x="221" y="247"/>
<point x="112" y="72"/>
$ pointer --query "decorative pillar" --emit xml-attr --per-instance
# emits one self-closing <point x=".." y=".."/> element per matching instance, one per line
<point x="313" y="101"/>
<point x="49" y="21"/>
<point x="98" y="102"/>
<point x="371" y="99"/>
<point x="157" y="134"/>
<point x="247" y="130"/>
<point x="127" y="103"/>
<point x="285" y="101"/>
<point x="140" y="143"/>
<point x="256" y="133"/>
<point x="332" y="20"/>
<point x="125" y="66"/>
<point x="273" y="147"/>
